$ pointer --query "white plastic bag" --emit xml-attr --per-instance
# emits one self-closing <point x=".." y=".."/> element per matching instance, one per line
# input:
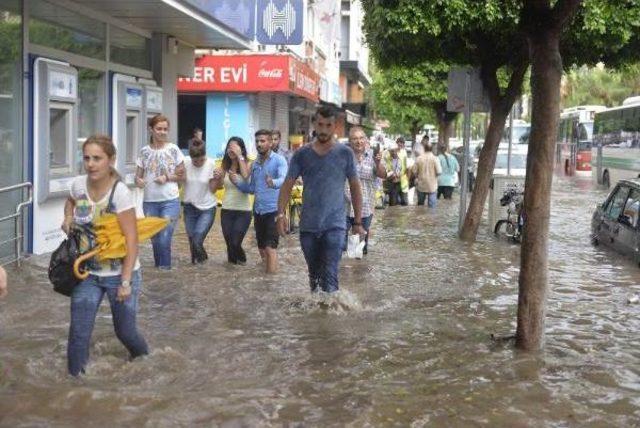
<point x="355" y="246"/>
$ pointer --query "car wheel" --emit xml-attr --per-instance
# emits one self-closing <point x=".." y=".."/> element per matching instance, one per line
<point x="606" y="181"/>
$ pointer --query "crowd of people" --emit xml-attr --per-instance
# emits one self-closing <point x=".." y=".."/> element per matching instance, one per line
<point x="340" y="184"/>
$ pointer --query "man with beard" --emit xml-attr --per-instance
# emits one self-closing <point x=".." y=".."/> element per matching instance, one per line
<point x="324" y="167"/>
<point x="276" y="144"/>
<point x="268" y="172"/>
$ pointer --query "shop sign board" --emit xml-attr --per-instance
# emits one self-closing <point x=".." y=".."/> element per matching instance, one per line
<point x="303" y="80"/>
<point x="237" y="15"/>
<point x="238" y="73"/>
<point x="252" y="73"/>
<point x="280" y="22"/>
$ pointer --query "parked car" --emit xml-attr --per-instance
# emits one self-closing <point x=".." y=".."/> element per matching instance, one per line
<point x="615" y="221"/>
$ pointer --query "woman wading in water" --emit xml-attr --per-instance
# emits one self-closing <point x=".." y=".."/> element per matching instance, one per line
<point x="92" y="196"/>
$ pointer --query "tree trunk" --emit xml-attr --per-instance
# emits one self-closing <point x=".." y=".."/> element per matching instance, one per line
<point x="415" y="128"/>
<point x="501" y="103"/>
<point x="546" y="72"/>
<point x="486" y="163"/>
<point x="446" y="121"/>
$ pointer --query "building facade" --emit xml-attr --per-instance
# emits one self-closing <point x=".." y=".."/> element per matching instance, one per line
<point x="235" y="95"/>
<point x="317" y="58"/>
<point x="70" y="69"/>
<point x="354" y="65"/>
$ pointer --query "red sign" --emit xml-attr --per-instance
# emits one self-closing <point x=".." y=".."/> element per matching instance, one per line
<point x="304" y="81"/>
<point x="251" y="73"/>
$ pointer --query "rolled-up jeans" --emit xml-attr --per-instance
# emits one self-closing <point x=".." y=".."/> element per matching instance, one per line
<point x="162" y="240"/>
<point x="322" y="252"/>
<point x="197" y="223"/>
<point x="85" y="301"/>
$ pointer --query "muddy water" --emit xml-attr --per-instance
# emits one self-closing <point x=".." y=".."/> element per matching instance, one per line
<point x="406" y="344"/>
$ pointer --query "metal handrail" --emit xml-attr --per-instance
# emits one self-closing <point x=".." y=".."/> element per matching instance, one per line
<point x="17" y="215"/>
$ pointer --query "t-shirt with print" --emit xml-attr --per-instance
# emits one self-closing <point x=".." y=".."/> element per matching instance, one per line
<point x="158" y="162"/>
<point x="323" y="204"/>
<point x="196" y="189"/>
<point x="88" y="211"/>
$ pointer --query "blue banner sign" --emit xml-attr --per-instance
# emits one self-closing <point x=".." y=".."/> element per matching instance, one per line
<point x="238" y="15"/>
<point x="280" y="22"/>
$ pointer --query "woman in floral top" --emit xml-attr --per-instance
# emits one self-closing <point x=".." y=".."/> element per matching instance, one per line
<point x="160" y="166"/>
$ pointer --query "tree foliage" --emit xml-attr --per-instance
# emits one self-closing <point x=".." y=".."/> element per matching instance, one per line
<point x="406" y="96"/>
<point x="599" y="85"/>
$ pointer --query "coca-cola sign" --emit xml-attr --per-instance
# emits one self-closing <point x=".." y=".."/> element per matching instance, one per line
<point x="273" y="73"/>
<point x="251" y="73"/>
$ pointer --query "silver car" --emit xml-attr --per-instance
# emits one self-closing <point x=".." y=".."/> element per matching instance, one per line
<point x="615" y="221"/>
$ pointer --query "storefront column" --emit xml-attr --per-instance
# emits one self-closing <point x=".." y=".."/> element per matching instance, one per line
<point x="171" y="59"/>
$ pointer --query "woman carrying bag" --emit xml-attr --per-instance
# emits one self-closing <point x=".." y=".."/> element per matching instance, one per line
<point x="447" y="181"/>
<point x="92" y="196"/>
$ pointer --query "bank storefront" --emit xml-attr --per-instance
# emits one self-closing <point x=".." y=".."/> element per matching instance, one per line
<point x="69" y="69"/>
<point x="235" y="95"/>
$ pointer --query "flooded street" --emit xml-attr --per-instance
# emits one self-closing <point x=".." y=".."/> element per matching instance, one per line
<point x="406" y="344"/>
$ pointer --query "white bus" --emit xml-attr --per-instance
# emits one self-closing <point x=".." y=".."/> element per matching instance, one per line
<point x="616" y="143"/>
<point x="575" y="138"/>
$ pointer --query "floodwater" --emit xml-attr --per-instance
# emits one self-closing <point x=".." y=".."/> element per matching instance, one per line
<point x="406" y="344"/>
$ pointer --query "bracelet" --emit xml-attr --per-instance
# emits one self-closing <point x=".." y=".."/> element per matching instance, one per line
<point x="357" y="224"/>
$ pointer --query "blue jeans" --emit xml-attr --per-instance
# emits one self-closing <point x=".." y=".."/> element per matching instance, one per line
<point x="197" y="223"/>
<point x="85" y="301"/>
<point x="162" y="241"/>
<point x="366" y="224"/>
<point x="323" y="251"/>
<point x="431" y="199"/>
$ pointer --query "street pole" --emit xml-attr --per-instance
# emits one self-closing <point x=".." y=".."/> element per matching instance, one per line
<point x="510" y="142"/>
<point x="464" y="179"/>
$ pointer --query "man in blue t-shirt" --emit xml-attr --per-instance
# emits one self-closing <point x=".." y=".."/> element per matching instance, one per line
<point x="324" y="167"/>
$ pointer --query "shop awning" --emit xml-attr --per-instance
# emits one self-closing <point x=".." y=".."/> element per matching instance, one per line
<point x="185" y="20"/>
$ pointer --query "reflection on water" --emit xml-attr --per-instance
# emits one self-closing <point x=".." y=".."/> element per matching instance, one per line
<point x="406" y="343"/>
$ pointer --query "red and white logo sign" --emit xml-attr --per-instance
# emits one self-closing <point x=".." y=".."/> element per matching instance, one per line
<point x="251" y="73"/>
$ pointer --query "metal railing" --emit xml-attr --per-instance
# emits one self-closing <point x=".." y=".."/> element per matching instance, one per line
<point x="17" y="217"/>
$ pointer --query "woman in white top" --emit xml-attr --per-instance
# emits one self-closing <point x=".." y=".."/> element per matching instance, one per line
<point x="235" y="216"/>
<point x="93" y="195"/>
<point x="160" y="166"/>
<point x="199" y="200"/>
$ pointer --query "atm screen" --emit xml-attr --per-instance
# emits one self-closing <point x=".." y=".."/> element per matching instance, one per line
<point x="132" y="138"/>
<point x="59" y="133"/>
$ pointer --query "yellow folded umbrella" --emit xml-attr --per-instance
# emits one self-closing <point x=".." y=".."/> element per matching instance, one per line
<point x="110" y="242"/>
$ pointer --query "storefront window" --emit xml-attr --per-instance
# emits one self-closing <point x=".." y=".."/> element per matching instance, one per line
<point x="129" y="48"/>
<point x="60" y="28"/>
<point x="10" y="114"/>
<point x="90" y="112"/>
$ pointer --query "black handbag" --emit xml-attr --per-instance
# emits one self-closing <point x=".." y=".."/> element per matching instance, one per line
<point x="61" y="264"/>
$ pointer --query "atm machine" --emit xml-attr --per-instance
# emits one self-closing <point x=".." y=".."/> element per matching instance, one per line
<point x="152" y="102"/>
<point x="56" y="152"/>
<point x="134" y="101"/>
<point x="128" y="125"/>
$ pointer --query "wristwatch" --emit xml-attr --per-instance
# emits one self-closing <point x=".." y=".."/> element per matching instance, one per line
<point x="126" y="283"/>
